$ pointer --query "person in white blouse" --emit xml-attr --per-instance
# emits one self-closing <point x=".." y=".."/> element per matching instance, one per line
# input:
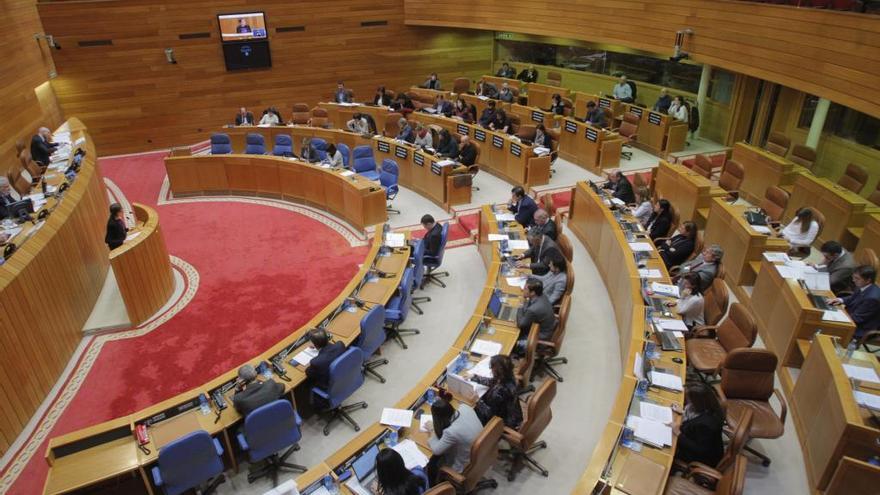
<point x="423" y="137"/>
<point x="690" y="304"/>
<point x="801" y="231"/>
<point x="270" y="118"/>
<point x="334" y="157"/>
<point x="644" y="208"/>
<point x="678" y="109"/>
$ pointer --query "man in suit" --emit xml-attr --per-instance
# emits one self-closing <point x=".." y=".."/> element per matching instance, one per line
<point x="544" y="224"/>
<point x="839" y="265"/>
<point x="7" y="195"/>
<point x="41" y="148"/>
<point x="318" y="370"/>
<point x="536" y="308"/>
<point x="341" y="95"/>
<point x="506" y="71"/>
<point x="486" y="89"/>
<point x="705" y="265"/>
<point x="488" y="115"/>
<point x="443" y="107"/>
<point x="663" y="102"/>
<point x="467" y="153"/>
<point x="595" y="115"/>
<point x="620" y="187"/>
<point x="523" y="206"/>
<point x="863" y="305"/>
<point x="506" y="95"/>
<point x="243" y="117"/>
<point x="529" y="75"/>
<point x="433" y="236"/>
<point x="251" y="393"/>
<point x="540" y="247"/>
<point x="432" y="82"/>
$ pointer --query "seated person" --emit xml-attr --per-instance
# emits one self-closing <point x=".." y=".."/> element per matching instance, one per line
<point x="501" y="399"/>
<point x="863" y="305"/>
<point x="488" y="115"/>
<point x="486" y="89"/>
<point x="644" y="207"/>
<point x="529" y="75"/>
<point x="318" y="370"/>
<point x="595" y="115"/>
<point x="251" y="393"/>
<point x="678" y="248"/>
<point x="403" y="104"/>
<point x="540" y="246"/>
<point x="341" y="95"/>
<point x="500" y="123"/>
<point x="801" y="231"/>
<point x="556" y="278"/>
<point x="523" y="206"/>
<point x="690" y="303"/>
<point x="393" y="478"/>
<point x="334" y="156"/>
<point x="381" y="99"/>
<point x="467" y="153"/>
<point x="433" y="235"/>
<point x="451" y="435"/>
<point x="308" y="152"/>
<point x="432" y="82"/>
<point x="705" y="265"/>
<point x="423" y="137"/>
<point x="536" y="308"/>
<point x="544" y="224"/>
<point x="116" y="228"/>
<point x="358" y="124"/>
<point x="661" y="220"/>
<point x="663" y="101"/>
<point x="542" y="138"/>
<point x="839" y="266"/>
<point x="270" y="117"/>
<point x="463" y="111"/>
<point x="406" y="131"/>
<point x="505" y="95"/>
<point x="702" y="422"/>
<point x="620" y="187"/>
<point x="243" y="26"/>
<point x="243" y="117"/>
<point x="447" y="146"/>
<point x="443" y="107"/>
<point x="678" y="109"/>
<point x="557" y="106"/>
<point x="7" y="194"/>
<point x="622" y="90"/>
<point x="506" y="71"/>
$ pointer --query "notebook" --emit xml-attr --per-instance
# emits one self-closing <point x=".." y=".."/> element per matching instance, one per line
<point x="640" y="476"/>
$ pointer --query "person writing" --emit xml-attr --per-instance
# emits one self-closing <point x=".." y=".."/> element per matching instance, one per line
<point x="500" y="123"/>
<point x="251" y="393"/>
<point x="443" y="107"/>
<point x="661" y="220"/>
<point x="536" y="308"/>
<point x="678" y="248"/>
<point x="557" y="107"/>
<point x="467" y="153"/>
<point x="433" y="235"/>
<point x="690" y="305"/>
<point x="116" y="229"/>
<point x="801" y="232"/>
<point x="463" y="111"/>
<point x="506" y="71"/>
<point x="501" y="399"/>
<point x="447" y="146"/>
<point x="663" y="101"/>
<point x="523" y="206"/>
<point x="318" y="370"/>
<point x="341" y="95"/>
<point x="452" y="433"/>
<point x="423" y="137"/>
<point x="595" y="115"/>
<point x="839" y="265"/>
<point x="393" y="478"/>
<point x="542" y="138"/>
<point x="334" y="157"/>
<point x="403" y="104"/>
<point x="678" y="109"/>
<point x="270" y="117"/>
<point x="620" y="187"/>
<point x="529" y="75"/>
<point x="622" y="90"/>
<point x="243" y="117"/>
<point x="406" y="131"/>
<point x="863" y="305"/>
<point x="358" y="124"/>
<point x="702" y="422"/>
<point x="432" y="82"/>
<point x="556" y="279"/>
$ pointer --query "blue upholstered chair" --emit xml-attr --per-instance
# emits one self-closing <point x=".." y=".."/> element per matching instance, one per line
<point x="418" y="265"/>
<point x="346" y="376"/>
<point x="389" y="182"/>
<point x="346" y="154"/>
<point x="397" y="309"/>
<point x="320" y="146"/>
<point x="268" y="429"/>
<point x="371" y="338"/>
<point x="255" y="144"/>
<point x="188" y="462"/>
<point x="220" y="144"/>
<point x="283" y="145"/>
<point x="432" y="263"/>
<point x="390" y="166"/>
<point x="364" y="163"/>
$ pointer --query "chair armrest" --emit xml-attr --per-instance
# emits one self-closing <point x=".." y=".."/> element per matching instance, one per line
<point x="512" y="436"/>
<point x="157" y="476"/>
<point x="871" y="334"/>
<point x="320" y="393"/>
<point x="447" y="474"/>
<point x="674" y="270"/>
<point x="242" y="442"/>
<point x="718" y="390"/>
<point x="703" y="475"/>
<point x="705" y="331"/>
<point x="218" y="447"/>
<point x="657" y="240"/>
<point x="783" y="407"/>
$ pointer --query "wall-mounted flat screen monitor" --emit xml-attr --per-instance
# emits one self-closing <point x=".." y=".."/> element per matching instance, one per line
<point x="242" y="27"/>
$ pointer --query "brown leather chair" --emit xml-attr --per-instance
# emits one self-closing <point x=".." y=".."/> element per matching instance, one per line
<point x="699" y="244"/>
<point x="554" y="78"/>
<point x="444" y="488"/>
<point x="526" y="132"/>
<point x="546" y="202"/>
<point x="18" y="180"/>
<point x="319" y="118"/>
<point x="392" y="124"/>
<point x="567" y="107"/>
<point x="629" y="131"/>
<point x="854" y="178"/>
<point x="515" y="122"/>
<point x="747" y="378"/>
<point x="300" y="114"/>
<point x="547" y="353"/>
<point x="703" y="166"/>
<point x="868" y="256"/>
<point x="565" y="246"/>
<point x="461" y="85"/>
<point x="716" y="301"/>
<point x="732" y="175"/>
<point x="712" y="343"/>
<point x="819" y="217"/>
<point x="774" y="203"/>
<point x="729" y="482"/>
<point x="874" y="197"/>
<point x="34" y="169"/>
<point x="526" y="364"/>
<point x="803" y="156"/>
<point x="778" y="144"/>
<point x="524" y="441"/>
<point x="474" y="169"/>
<point x="870" y="338"/>
<point x="484" y="453"/>
<point x="569" y="282"/>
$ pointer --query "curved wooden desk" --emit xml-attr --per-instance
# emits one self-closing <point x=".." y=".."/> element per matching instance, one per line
<point x="48" y="289"/>
<point x="358" y="201"/>
<point x="142" y="267"/>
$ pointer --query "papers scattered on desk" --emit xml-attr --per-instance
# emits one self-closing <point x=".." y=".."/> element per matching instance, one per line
<point x="870" y="401"/>
<point x="788" y="272"/>
<point x="861" y="373"/>
<point x="650" y="273"/>
<point x="776" y="257"/>
<point x="394" y="239"/>
<point x="654" y="412"/>
<point x="641" y="246"/>
<point x="520" y="244"/>
<point x="412" y="456"/>
<point x="483" y="368"/>
<point x="445" y="163"/>
<point x="505" y="217"/>
<point x="79" y="141"/>
<point x="541" y="151"/>
<point x="664" y="289"/>
<point x="424" y="419"/>
<point x="397" y="417"/>
<point x="816" y="280"/>
<point x="761" y="229"/>
<point x="517" y="281"/>
<point x="347" y="104"/>
<point x="650" y="432"/>
<point x="671" y="325"/>
<point x="485" y="347"/>
<point x="639" y="366"/>
<point x="618" y="202"/>
<point x="484" y="98"/>
<point x="833" y="315"/>
<point x="305" y="356"/>
<point x="133" y="235"/>
<point x="430" y="110"/>
<point x="355" y="486"/>
<point x="665" y="380"/>
<point x="346" y="173"/>
<point x="498" y="237"/>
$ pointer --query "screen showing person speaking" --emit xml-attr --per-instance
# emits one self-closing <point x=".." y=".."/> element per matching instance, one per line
<point x="242" y="27"/>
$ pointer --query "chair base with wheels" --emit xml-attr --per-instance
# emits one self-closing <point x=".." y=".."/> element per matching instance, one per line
<point x="546" y="365"/>
<point x="419" y="300"/>
<point x="341" y="413"/>
<point x="370" y="368"/>
<point x="434" y="278"/>
<point x="396" y="333"/>
<point x="626" y="155"/>
<point x="275" y="463"/>
<point x="389" y="209"/>
<point x="518" y="458"/>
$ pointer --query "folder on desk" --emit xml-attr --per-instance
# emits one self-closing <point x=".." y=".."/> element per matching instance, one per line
<point x="640" y="475"/>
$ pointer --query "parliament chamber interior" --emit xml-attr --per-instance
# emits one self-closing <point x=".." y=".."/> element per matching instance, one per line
<point x="440" y="247"/>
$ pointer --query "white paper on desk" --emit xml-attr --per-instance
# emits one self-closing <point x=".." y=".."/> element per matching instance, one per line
<point x="445" y="163"/>
<point x="79" y="141"/>
<point x="132" y="236"/>
<point x="672" y="325"/>
<point x="665" y="289"/>
<point x="861" y="373"/>
<point x="654" y="412"/>
<point x="411" y="454"/>
<point x="541" y="151"/>
<point x="650" y="273"/>
<point x="498" y="237"/>
<point x="486" y="347"/>
<point x="788" y="272"/>
<point x="651" y="432"/>
<point x="424" y="419"/>
<point x="305" y="356"/>
<point x="834" y="315"/>
<point x="320" y="491"/>
<point x="346" y="173"/>
<point x="356" y="488"/>
<point x="519" y="244"/>
<point x="665" y="380"/>
<point x="505" y="217"/>
<point x="776" y="257"/>
<point x="516" y="281"/>
<point x="816" y="280"/>
<point x="618" y="202"/>
<point x="761" y="229"/>
<point x="482" y="368"/>
<point x="639" y="366"/>
<point x="394" y="239"/>
<point x="641" y="246"/>
<point x="397" y="417"/>
<point x="870" y="401"/>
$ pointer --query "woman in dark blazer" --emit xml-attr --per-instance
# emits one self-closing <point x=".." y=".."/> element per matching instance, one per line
<point x="501" y="399"/>
<point x="680" y="246"/>
<point x="661" y="219"/>
<point x="116" y="228"/>
<point x="699" y="434"/>
<point x="556" y="105"/>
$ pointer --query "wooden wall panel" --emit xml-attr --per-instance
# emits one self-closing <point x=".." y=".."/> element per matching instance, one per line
<point x="132" y="99"/>
<point x="25" y="65"/>
<point x="831" y="54"/>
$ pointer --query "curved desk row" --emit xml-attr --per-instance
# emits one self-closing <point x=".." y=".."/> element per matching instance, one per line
<point x="358" y="201"/>
<point x="49" y="286"/>
<point x="109" y="451"/>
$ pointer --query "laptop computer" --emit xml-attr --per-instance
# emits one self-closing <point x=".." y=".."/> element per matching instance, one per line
<point x="500" y="310"/>
<point x="364" y="467"/>
<point x="668" y="342"/>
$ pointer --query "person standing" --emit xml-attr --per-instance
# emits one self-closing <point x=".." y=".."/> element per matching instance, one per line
<point x="116" y="229"/>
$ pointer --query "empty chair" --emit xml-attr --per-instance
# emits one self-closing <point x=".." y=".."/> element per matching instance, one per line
<point x="300" y="114"/>
<point x="803" y="156"/>
<point x="188" y="462"/>
<point x="711" y="344"/>
<point x="346" y="376"/>
<point x="220" y="144"/>
<point x="268" y="429"/>
<point x="716" y="300"/>
<point x="729" y="482"/>
<point x="391" y="126"/>
<point x="388" y="180"/>
<point x="547" y="353"/>
<point x="854" y="178"/>
<point x="774" y="204"/>
<point x="255" y="144"/>
<point x="319" y="118"/>
<point x="732" y="175"/>
<point x="703" y="166"/>
<point x="629" y="130"/>
<point x="345" y="151"/>
<point x="564" y="244"/>
<point x="370" y="340"/>
<point x="19" y="180"/>
<point x="418" y="264"/>
<point x="364" y="163"/>
<point x="747" y="378"/>
<point x="390" y="166"/>
<point x="554" y="78"/>
<point x="778" y="144"/>
<point x="526" y="132"/>
<point x="524" y="441"/>
<point x="283" y="145"/>
<point x="432" y="263"/>
<point x="461" y="85"/>
<point x="397" y="309"/>
<point x="874" y="197"/>
<point x="484" y="453"/>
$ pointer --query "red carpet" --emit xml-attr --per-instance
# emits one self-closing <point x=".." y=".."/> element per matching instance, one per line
<point x="263" y="272"/>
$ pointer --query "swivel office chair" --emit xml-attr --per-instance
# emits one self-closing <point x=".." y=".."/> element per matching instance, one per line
<point x="346" y="376"/>
<point x="444" y="488"/>
<point x="629" y="131"/>
<point x="346" y="154"/>
<point x="730" y="481"/>
<point x="484" y="453"/>
<point x="854" y="178"/>
<point x="364" y="163"/>
<point x="370" y="340"/>
<point x="397" y="309"/>
<point x="188" y="462"/>
<point x="220" y="144"/>
<point x="283" y="145"/>
<point x="255" y="144"/>
<point x="524" y="441"/>
<point x="711" y="344"/>
<point x="432" y="263"/>
<point x="268" y="429"/>
<point x="547" y="352"/>
<point x="803" y="156"/>
<point x="320" y="147"/>
<point x="418" y="265"/>
<point x="300" y="115"/>
<point x="778" y="144"/>
<point x="388" y="180"/>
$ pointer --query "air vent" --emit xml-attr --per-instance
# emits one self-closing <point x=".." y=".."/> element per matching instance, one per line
<point x="290" y="29"/>
<point x="96" y="43"/>
<point x="374" y="23"/>
<point x="192" y="36"/>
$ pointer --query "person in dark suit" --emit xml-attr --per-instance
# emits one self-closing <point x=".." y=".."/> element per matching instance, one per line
<point x="486" y="89"/>
<point x="661" y="220"/>
<point x="529" y="75"/>
<point x="839" y="265"/>
<point x="702" y="422"/>
<point x="243" y="117"/>
<point x="557" y="107"/>
<point x="251" y="393"/>
<point x="536" y="308"/>
<point x="620" y="187"/>
<point x="663" y="101"/>
<point x="406" y="131"/>
<point x="500" y="123"/>
<point x="447" y="145"/>
<point x="41" y="147"/>
<point x="523" y="206"/>
<point x="595" y="115"/>
<point x="863" y="305"/>
<point x="488" y="115"/>
<point x="705" y="265"/>
<point x="433" y="236"/>
<point x="443" y="107"/>
<point x="676" y="250"/>
<point x="540" y="247"/>
<point x="544" y="224"/>
<point x="341" y="95"/>
<point x="382" y="99"/>
<point x="467" y="152"/>
<point x="506" y="71"/>
<point x="433" y="82"/>
<point x="116" y="229"/>
<point x="7" y="195"/>
<point x="318" y="370"/>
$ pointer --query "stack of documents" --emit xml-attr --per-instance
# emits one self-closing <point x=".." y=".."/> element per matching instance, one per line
<point x="516" y="281"/>
<point x="665" y="380"/>
<point x="870" y="401"/>
<point x="664" y="289"/>
<point x="401" y="418"/>
<point x="505" y="217"/>
<point x="776" y="257"/>
<point x="305" y="356"/>
<point x="861" y="373"/>
<point x="482" y="368"/>
<point x="641" y="246"/>
<point x="498" y="237"/>
<point x="651" y="432"/>
<point x="650" y="273"/>
<point x="519" y="244"/>
<point x="394" y="239"/>
<point x="412" y="455"/>
<point x="486" y="347"/>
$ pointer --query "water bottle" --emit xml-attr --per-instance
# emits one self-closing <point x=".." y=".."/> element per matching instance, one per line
<point x="392" y="438"/>
<point x="430" y="396"/>
<point x="330" y="484"/>
<point x="461" y="362"/>
<point x="642" y="388"/>
<point x="850" y="349"/>
<point x="203" y="404"/>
